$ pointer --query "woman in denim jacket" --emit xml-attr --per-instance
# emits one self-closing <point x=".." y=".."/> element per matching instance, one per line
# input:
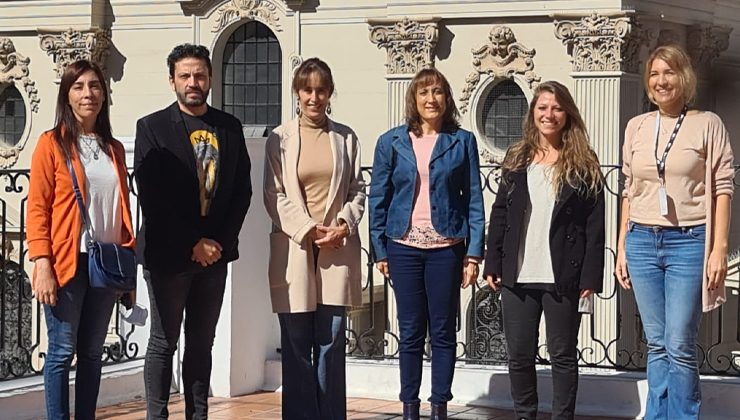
<point x="426" y="227"/>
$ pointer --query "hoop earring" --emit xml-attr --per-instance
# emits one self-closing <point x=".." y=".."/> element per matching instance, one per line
<point x="328" y="109"/>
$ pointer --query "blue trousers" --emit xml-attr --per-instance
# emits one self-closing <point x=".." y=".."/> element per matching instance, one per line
<point x="666" y="269"/>
<point x="76" y="325"/>
<point x="313" y="353"/>
<point x="426" y="283"/>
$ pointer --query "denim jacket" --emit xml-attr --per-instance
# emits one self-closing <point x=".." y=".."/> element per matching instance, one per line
<point x="454" y="186"/>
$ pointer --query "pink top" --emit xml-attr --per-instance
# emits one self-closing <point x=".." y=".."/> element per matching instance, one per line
<point x="422" y="234"/>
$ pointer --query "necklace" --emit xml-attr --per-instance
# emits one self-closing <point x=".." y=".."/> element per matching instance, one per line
<point x="90" y="145"/>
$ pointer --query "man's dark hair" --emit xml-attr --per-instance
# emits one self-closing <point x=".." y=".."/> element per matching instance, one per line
<point x="189" y="51"/>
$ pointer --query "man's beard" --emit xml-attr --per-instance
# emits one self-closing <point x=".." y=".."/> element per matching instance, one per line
<point x="183" y="98"/>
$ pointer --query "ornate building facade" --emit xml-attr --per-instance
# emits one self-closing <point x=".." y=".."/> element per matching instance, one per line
<point x="494" y="54"/>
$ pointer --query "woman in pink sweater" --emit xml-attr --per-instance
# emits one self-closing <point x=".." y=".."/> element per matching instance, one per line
<point x="675" y="220"/>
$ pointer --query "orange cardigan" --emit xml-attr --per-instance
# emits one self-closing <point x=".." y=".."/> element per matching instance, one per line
<point x="54" y="225"/>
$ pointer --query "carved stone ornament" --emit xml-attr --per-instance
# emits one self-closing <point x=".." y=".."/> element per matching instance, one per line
<point x="14" y="71"/>
<point x="705" y="43"/>
<point x="502" y="57"/>
<point x="72" y="45"/>
<point x="410" y="44"/>
<point x="264" y="11"/>
<point x="601" y="43"/>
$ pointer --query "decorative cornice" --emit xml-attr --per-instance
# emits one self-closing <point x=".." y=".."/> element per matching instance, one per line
<point x="601" y="43"/>
<point x="72" y="45"/>
<point x="264" y="11"/>
<point x="705" y="43"/>
<point x="410" y="44"/>
<point x="14" y="71"/>
<point x="502" y="56"/>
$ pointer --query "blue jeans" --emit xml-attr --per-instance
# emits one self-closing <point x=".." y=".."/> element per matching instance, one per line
<point x="313" y="353"/>
<point x="426" y="283"/>
<point x="666" y="269"/>
<point x="77" y="324"/>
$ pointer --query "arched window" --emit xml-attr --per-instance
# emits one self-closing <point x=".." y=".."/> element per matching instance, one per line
<point x="502" y="114"/>
<point x="252" y="77"/>
<point x="12" y="115"/>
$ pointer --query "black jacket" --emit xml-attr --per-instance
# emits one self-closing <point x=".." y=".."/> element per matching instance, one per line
<point x="168" y="191"/>
<point x="576" y="235"/>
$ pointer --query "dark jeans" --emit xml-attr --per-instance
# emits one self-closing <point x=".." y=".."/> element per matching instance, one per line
<point x="426" y="283"/>
<point x="77" y="324"/>
<point x="522" y="309"/>
<point x="312" y="353"/>
<point x="200" y="294"/>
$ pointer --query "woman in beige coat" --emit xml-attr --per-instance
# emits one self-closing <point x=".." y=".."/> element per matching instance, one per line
<point x="314" y="194"/>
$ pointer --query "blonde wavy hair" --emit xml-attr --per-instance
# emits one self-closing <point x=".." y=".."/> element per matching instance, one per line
<point x="679" y="61"/>
<point x="577" y="164"/>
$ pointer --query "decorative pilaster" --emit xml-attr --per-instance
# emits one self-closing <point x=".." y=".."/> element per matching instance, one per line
<point x="605" y="57"/>
<point x="14" y="71"/>
<point x="705" y="43"/>
<point x="72" y="45"/>
<point x="600" y="43"/>
<point x="501" y="56"/>
<point x="410" y="46"/>
<point x="264" y="11"/>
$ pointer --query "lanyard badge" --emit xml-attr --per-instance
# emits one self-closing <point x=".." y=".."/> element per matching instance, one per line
<point x="660" y="163"/>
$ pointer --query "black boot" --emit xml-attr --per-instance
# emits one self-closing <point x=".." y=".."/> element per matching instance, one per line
<point x="411" y="411"/>
<point x="439" y="411"/>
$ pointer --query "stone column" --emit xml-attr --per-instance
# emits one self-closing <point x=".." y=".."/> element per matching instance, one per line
<point x="72" y="45"/>
<point x="410" y="45"/>
<point x="604" y="53"/>
<point x="705" y="43"/>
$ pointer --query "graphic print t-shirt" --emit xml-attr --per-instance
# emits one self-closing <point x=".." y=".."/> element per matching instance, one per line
<point x="203" y="138"/>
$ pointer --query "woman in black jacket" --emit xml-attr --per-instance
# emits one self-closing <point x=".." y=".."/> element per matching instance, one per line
<point x="546" y="245"/>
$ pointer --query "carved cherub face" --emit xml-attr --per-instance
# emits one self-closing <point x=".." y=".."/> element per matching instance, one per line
<point x="501" y="37"/>
<point x="6" y="48"/>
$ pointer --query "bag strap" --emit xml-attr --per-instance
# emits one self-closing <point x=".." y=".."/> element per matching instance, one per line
<point x="78" y="198"/>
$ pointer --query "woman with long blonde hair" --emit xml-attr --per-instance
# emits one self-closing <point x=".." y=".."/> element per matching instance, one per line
<point x="546" y="245"/>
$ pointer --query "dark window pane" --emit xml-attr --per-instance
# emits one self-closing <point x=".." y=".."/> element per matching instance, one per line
<point x="261" y="94"/>
<point x="251" y="73"/>
<point x="274" y="92"/>
<point x="503" y="111"/>
<point x="274" y="73"/>
<point x="12" y="115"/>
<point x="274" y="113"/>
<point x="252" y="82"/>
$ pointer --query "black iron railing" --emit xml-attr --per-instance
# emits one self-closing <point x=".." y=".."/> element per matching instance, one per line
<point x="612" y="337"/>
<point x="22" y="335"/>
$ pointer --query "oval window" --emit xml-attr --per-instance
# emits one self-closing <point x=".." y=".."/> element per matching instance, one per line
<point x="12" y="115"/>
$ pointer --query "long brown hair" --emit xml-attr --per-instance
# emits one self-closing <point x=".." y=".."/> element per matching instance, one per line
<point x="66" y="128"/>
<point x="577" y="164"/>
<point x="423" y="79"/>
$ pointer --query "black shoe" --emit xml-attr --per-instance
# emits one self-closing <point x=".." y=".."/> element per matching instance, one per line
<point x="411" y="411"/>
<point x="439" y="411"/>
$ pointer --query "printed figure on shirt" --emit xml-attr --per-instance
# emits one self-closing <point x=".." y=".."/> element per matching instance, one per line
<point x="427" y="228"/>
<point x="77" y="315"/>
<point x="545" y="250"/>
<point x="193" y="172"/>
<point x="672" y="249"/>
<point x="315" y="196"/>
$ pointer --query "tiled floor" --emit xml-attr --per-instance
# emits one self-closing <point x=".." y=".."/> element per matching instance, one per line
<point x="266" y="405"/>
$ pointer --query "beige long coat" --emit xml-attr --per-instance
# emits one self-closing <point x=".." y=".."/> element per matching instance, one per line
<point x="296" y="283"/>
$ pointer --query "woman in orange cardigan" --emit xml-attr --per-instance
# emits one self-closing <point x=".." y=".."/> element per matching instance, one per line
<point x="77" y="315"/>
